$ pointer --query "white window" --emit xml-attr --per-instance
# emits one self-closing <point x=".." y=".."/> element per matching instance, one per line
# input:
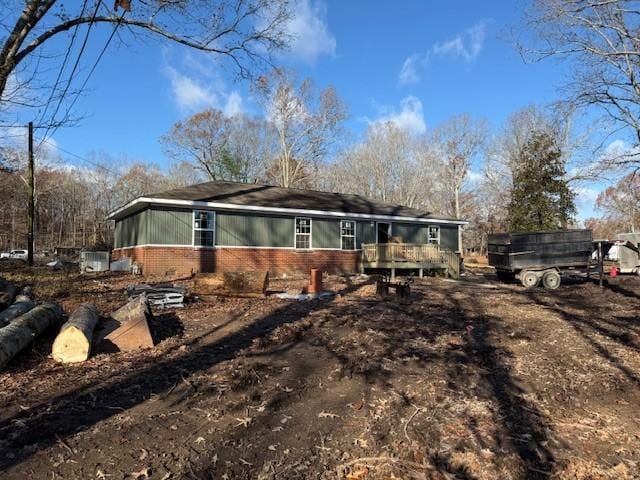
<point x="433" y="235"/>
<point x="303" y="233"/>
<point x="348" y="235"/>
<point x="203" y="228"/>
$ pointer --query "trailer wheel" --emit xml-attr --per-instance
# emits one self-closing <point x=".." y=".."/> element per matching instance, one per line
<point x="551" y="280"/>
<point x="529" y="279"/>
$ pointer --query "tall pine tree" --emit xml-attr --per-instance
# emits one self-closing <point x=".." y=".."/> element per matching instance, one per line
<point x="541" y="198"/>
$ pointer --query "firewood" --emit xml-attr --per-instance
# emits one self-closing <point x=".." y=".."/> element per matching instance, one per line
<point x="232" y="282"/>
<point x="128" y="327"/>
<point x="21" y="332"/>
<point x="73" y="343"/>
<point x="21" y="304"/>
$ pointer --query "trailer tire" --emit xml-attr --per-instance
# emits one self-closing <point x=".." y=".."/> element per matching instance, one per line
<point x="551" y="280"/>
<point x="529" y="279"/>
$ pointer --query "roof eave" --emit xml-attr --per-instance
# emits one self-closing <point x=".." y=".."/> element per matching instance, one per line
<point x="142" y="202"/>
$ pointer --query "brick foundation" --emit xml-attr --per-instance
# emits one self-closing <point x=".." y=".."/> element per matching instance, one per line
<point x="185" y="261"/>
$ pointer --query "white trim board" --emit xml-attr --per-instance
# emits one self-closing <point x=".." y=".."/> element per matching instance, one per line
<point x="238" y="247"/>
<point x="290" y="211"/>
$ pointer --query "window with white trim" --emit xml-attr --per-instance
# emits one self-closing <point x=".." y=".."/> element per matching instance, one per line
<point x="433" y="235"/>
<point x="203" y="228"/>
<point x="348" y="235"/>
<point x="303" y="233"/>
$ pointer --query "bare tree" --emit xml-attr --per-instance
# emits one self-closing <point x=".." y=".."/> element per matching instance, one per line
<point x="459" y="141"/>
<point x="389" y="165"/>
<point x="234" y="148"/>
<point x="244" y="31"/>
<point x="621" y="202"/>
<point x="306" y="125"/>
<point x="601" y="39"/>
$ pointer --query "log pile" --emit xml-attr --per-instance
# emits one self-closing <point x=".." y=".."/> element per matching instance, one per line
<point x="21" y="331"/>
<point x="73" y="343"/>
<point x="8" y="291"/>
<point x="22" y="304"/>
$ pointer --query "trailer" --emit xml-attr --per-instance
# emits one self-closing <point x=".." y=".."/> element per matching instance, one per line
<point x="534" y="257"/>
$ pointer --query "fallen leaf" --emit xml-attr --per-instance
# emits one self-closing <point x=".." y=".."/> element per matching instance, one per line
<point x="244" y="421"/>
<point x="324" y="414"/>
<point x="144" y="473"/>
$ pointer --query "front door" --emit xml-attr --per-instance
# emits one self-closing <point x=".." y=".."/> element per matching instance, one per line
<point x="384" y="232"/>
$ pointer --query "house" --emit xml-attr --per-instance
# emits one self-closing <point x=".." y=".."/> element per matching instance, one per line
<point x="229" y="226"/>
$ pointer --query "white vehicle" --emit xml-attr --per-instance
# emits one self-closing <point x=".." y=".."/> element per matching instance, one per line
<point x="18" y="254"/>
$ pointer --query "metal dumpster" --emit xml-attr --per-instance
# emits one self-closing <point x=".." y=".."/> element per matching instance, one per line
<point x="533" y="254"/>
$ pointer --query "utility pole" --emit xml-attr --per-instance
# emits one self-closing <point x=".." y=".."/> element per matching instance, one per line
<point x="31" y="202"/>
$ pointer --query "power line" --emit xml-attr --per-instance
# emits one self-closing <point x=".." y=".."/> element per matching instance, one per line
<point x="73" y="71"/>
<point x="62" y="67"/>
<point x="81" y="158"/>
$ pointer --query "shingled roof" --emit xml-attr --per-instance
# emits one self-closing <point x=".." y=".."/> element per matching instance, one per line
<point x="271" y="197"/>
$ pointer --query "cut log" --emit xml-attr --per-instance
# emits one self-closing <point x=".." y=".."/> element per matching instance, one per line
<point x="73" y="343"/>
<point x="128" y="327"/>
<point x="21" y="332"/>
<point x="232" y="282"/>
<point x="22" y="304"/>
<point x="8" y="292"/>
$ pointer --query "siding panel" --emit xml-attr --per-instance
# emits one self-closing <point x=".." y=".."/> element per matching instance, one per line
<point x="170" y="226"/>
<point x="449" y="237"/>
<point x="325" y="233"/>
<point x="241" y="230"/>
<point x="131" y="231"/>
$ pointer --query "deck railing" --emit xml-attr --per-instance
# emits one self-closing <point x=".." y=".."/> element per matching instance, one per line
<point x="420" y="253"/>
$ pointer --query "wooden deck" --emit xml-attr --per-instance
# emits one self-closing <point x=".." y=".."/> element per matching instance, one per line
<point x="410" y="256"/>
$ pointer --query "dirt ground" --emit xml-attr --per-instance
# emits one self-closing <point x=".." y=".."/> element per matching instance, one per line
<point x="473" y="379"/>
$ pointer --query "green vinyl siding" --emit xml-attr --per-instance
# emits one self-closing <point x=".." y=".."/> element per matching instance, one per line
<point x="449" y="237"/>
<point x="131" y="231"/>
<point x="174" y="226"/>
<point x="170" y="226"/>
<point x="325" y="233"/>
<point x="240" y="230"/>
<point x="410" y="232"/>
<point x="365" y="233"/>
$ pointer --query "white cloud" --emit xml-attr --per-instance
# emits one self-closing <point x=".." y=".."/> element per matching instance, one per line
<point x="233" y="106"/>
<point x="193" y="92"/>
<point x="409" y="71"/>
<point x="409" y="118"/>
<point x="466" y="45"/>
<point x="309" y="30"/>
<point x="188" y="93"/>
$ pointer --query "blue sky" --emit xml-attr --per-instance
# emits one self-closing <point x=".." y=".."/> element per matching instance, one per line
<point x="413" y="62"/>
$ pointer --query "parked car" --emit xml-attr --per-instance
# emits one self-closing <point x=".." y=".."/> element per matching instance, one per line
<point x="14" y="254"/>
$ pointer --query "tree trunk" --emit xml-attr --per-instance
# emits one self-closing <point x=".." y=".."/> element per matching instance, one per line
<point x="7" y="293"/>
<point x="22" y="304"/>
<point x="232" y="282"/>
<point x="21" y="332"/>
<point x="73" y="343"/>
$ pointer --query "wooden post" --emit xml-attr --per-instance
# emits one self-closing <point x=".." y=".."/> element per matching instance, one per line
<point x="31" y="201"/>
